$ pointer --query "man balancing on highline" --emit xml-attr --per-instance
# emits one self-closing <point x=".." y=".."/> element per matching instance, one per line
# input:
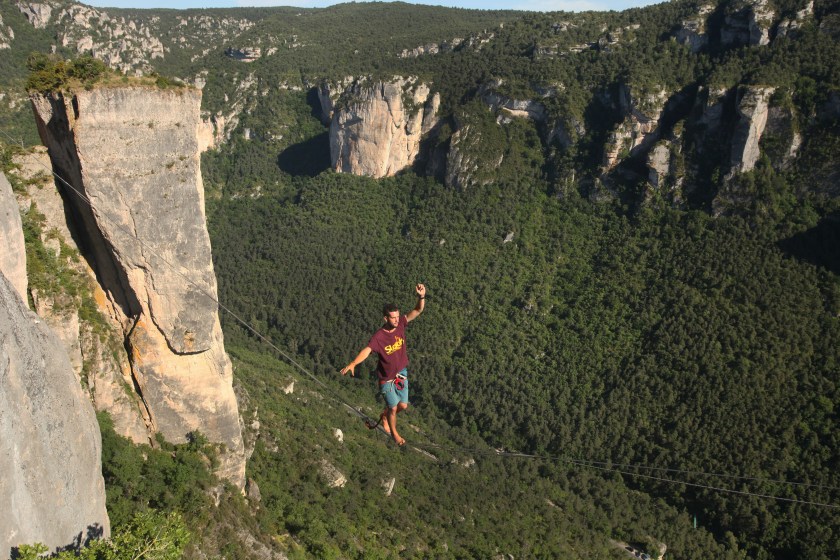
<point x="389" y="344"/>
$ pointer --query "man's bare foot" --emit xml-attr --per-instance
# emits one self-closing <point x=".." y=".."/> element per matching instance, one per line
<point x="399" y="441"/>
<point x="383" y="421"/>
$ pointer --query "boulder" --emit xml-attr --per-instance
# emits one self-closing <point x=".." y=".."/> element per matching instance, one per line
<point x="50" y="447"/>
<point x="333" y="477"/>
<point x="388" y="485"/>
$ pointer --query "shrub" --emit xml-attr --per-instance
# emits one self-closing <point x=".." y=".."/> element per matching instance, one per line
<point x="150" y="535"/>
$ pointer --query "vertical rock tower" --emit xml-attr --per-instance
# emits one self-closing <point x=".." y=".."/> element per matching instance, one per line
<point x="132" y="154"/>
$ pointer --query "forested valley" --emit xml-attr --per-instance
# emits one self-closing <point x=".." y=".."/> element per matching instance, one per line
<point x="664" y="359"/>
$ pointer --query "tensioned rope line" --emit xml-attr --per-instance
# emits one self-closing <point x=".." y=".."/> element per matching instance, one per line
<point x="599" y="465"/>
<point x="604" y="467"/>
<point x="189" y="280"/>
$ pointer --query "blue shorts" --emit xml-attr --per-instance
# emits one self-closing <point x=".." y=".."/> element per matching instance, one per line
<point x="393" y="395"/>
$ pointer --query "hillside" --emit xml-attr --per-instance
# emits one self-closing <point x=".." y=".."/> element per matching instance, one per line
<point x="628" y="225"/>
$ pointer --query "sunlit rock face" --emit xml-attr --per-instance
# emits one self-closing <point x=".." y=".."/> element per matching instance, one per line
<point x="376" y="127"/>
<point x="52" y="488"/>
<point x="12" y="250"/>
<point x="133" y="152"/>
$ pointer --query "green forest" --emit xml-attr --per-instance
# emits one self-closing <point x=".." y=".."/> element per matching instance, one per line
<point x="599" y="362"/>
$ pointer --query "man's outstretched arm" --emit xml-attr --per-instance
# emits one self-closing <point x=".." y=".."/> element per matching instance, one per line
<point x="421" y="303"/>
<point x="356" y="361"/>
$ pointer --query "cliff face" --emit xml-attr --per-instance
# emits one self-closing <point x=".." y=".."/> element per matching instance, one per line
<point x="377" y="129"/>
<point x="94" y="352"/>
<point x="52" y="488"/>
<point x="12" y="251"/>
<point x="752" y="118"/>
<point x="638" y="130"/>
<point x="134" y="153"/>
<point x="747" y="23"/>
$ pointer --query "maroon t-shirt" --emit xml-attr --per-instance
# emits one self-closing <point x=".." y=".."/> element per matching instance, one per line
<point x="390" y="347"/>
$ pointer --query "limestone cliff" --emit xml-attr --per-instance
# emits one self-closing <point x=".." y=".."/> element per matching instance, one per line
<point x="133" y="153"/>
<point x="52" y="488"/>
<point x="12" y="251"/>
<point x="377" y="126"/>
<point x="752" y="118"/>
<point x="564" y="130"/>
<point x="747" y="22"/>
<point x="638" y="130"/>
<point x="93" y="344"/>
<point x="665" y="174"/>
<point x="692" y="31"/>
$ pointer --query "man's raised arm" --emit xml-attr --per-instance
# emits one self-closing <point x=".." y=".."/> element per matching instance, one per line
<point x="421" y="303"/>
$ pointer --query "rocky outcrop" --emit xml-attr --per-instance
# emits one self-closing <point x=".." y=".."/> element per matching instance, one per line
<point x="564" y="130"/>
<point x="133" y="153"/>
<point x="639" y="129"/>
<point x="329" y="93"/>
<point x="388" y="485"/>
<point x="52" y="486"/>
<point x="665" y="172"/>
<point x="377" y="127"/>
<point x="12" y="250"/>
<point x="711" y="103"/>
<point x="123" y="44"/>
<point x="752" y="118"/>
<point x="792" y="25"/>
<point x="244" y="54"/>
<point x="462" y="165"/>
<point x="37" y="13"/>
<point x="781" y="139"/>
<point x="332" y="476"/>
<point x="7" y="35"/>
<point x="659" y="164"/>
<point x="749" y="25"/>
<point x="692" y="31"/>
<point x="432" y="48"/>
<point x="522" y="108"/>
<point x="93" y="345"/>
<point x="216" y="129"/>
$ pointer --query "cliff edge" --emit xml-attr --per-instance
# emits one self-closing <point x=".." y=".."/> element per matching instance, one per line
<point x="132" y="154"/>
